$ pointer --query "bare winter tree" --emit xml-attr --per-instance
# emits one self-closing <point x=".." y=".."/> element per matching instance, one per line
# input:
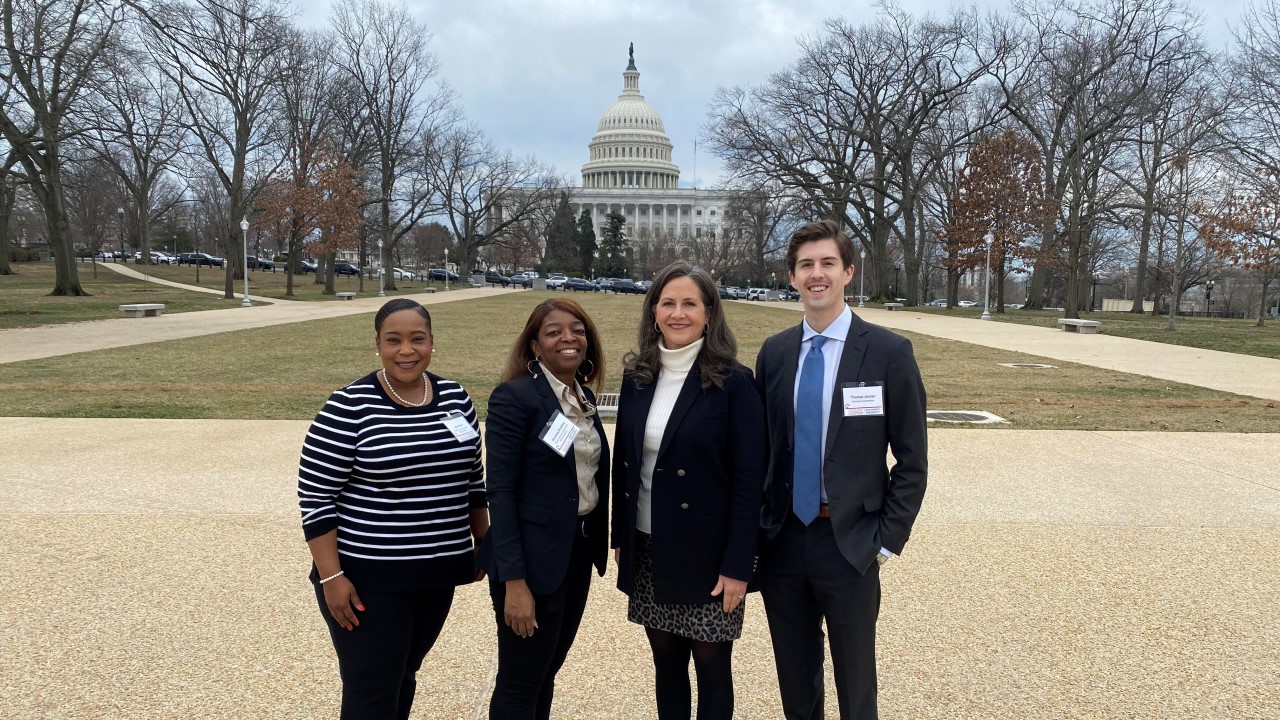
<point x="52" y="52"/>
<point x="1076" y="81"/>
<point x="134" y="122"/>
<point x="384" y="53"/>
<point x="485" y="191"/>
<point x="843" y="126"/>
<point x="224" y="58"/>
<point x="759" y="221"/>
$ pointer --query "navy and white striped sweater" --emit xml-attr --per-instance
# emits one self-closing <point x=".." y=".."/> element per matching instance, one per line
<point x="396" y="484"/>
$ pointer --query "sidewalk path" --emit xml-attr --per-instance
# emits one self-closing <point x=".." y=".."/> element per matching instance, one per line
<point x="130" y="272"/>
<point x="1229" y="372"/>
<point x="52" y="340"/>
<point x="155" y="569"/>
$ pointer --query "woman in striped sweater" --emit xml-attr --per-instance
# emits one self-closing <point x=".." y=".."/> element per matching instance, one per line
<point x="391" y="489"/>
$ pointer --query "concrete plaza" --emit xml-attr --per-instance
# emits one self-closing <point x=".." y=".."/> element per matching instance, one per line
<point x="1051" y="575"/>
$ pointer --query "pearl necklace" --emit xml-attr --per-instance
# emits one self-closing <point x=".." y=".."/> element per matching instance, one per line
<point x="387" y="382"/>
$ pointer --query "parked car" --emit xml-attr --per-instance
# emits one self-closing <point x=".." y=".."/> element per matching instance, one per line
<point x="966" y="303"/>
<point x="580" y="285"/>
<point x="522" y="280"/>
<point x="402" y="274"/>
<point x="940" y="302"/>
<point x="307" y="266"/>
<point x="491" y="277"/>
<point x="757" y="294"/>
<point x="341" y="268"/>
<point x="202" y="259"/>
<point x="725" y="292"/>
<point x="442" y="274"/>
<point x="529" y="274"/>
<point x="644" y="285"/>
<point x="555" y="281"/>
<point x="627" y="287"/>
<point x="257" y="263"/>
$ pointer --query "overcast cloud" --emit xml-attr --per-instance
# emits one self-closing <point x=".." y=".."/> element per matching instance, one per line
<point x="537" y="74"/>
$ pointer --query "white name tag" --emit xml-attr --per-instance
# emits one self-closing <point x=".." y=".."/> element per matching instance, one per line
<point x="559" y="434"/>
<point x="863" y="400"/>
<point x="461" y="429"/>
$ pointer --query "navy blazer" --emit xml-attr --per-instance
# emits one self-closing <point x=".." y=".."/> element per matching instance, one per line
<point x="533" y="492"/>
<point x="706" y="489"/>
<point x="872" y="506"/>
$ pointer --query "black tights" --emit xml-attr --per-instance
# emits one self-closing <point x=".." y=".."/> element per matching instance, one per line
<point x="713" y="663"/>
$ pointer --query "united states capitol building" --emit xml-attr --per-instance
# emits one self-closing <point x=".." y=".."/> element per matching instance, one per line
<point x="631" y="170"/>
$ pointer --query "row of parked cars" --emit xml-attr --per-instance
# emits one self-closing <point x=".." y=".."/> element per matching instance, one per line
<point x="622" y="286"/>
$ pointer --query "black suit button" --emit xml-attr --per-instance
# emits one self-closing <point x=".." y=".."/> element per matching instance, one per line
<point x="680" y="473"/>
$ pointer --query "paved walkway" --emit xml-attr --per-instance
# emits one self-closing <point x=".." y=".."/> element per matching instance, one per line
<point x="131" y="272"/>
<point x="52" y="340"/>
<point x="1229" y="372"/>
<point x="155" y="569"/>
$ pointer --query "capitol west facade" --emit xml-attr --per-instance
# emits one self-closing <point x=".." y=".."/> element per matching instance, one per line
<point x="631" y="171"/>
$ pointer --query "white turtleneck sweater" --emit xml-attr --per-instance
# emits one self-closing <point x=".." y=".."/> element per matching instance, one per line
<point x="675" y="368"/>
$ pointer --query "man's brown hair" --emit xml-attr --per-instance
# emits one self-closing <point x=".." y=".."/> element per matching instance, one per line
<point x="821" y="230"/>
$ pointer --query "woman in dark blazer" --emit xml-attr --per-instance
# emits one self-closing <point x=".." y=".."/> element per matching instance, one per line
<point x="688" y="477"/>
<point x="547" y="463"/>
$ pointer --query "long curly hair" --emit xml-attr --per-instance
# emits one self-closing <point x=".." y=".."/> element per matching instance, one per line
<point x="522" y="353"/>
<point x="719" y="352"/>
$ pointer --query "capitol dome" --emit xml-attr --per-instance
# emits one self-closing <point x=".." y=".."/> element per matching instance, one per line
<point x="630" y="148"/>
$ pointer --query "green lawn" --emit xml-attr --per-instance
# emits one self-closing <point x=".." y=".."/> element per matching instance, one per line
<point x="1237" y="336"/>
<point x="25" y="299"/>
<point x="287" y="371"/>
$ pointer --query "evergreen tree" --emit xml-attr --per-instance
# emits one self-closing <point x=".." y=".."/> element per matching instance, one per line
<point x="562" y="240"/>
<point x="586" y="242"/>
<point x="613" y="248"/>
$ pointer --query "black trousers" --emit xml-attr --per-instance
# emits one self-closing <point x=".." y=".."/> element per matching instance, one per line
<point x="807" y="580"/>
<point x="379" y="660"/>
<point x="527" y="667"/>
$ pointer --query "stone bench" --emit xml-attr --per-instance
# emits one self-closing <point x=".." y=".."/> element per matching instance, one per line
<point x="1080" y="326"/>
<point x="345" y="296"/>
<point x="893" y="306"/>
<point x="428" y="290"/>
<point x="607" y="404"/>
<point x="142" y="310"/>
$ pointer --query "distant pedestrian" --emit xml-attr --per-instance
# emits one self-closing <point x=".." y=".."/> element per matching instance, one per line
<point x="688" y="473"/>
<point x="391" y="490"/>
<point x="548" y="463"/>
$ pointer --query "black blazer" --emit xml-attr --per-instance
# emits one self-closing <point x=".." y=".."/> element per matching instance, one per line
<point x="872" y="506"/>
<point x="533" y="492"/>
<point x="707" y="485"/>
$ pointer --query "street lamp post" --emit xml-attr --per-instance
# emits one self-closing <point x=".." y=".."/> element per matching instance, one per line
<point x="446" y="269"/>
<point x="381" y="281"/>
<point x="986" y="288"/>
<point x="1208" y="297"/>
<point x="120" y="233"/>
<point x="774" y="277"/>
<point x="896" y="268"/>
<point x="862" y="275"/>
<point x="1093" y="294"/>
<point x="244" y="234"/>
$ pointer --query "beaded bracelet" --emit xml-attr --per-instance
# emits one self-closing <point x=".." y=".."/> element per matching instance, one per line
<point x="338" y="574"/>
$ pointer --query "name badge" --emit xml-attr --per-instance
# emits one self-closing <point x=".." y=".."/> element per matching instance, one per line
<point x="863" y="400"/>
<point x="461" y="429"/>
<point x="559" y="434"/>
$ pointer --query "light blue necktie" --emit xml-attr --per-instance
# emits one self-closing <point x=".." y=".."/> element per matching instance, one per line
<point x="806" y="481"/>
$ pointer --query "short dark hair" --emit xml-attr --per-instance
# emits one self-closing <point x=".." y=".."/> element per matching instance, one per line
<point x="815" y="231"/>
<point x="719" y="352"/>
<point x="521" y="355"/>
<point x="394" y="306"/>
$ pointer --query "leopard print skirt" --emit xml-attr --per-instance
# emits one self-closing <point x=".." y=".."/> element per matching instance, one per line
<point x="707" y="622"/>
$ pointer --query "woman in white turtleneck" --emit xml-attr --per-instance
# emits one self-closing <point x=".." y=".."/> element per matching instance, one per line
<point x="687" y="483"/>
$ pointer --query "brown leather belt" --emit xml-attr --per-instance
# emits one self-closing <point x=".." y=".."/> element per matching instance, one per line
<point x="824" y="510"/>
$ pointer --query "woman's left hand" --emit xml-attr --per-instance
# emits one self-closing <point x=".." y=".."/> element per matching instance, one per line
<point x="732" y="592"/>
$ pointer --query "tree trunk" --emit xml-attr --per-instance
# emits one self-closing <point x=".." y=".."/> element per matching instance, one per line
<point x="1144" y="250"/>
<point x="329" y="261"/>
<point x="8" y="195"/>
<point x="53" y="199"/>
<point x="1262" y="310"/>
<point x="1040" y="273"/>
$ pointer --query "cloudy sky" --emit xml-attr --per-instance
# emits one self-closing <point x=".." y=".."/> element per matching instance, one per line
<point x="537" y="74"/>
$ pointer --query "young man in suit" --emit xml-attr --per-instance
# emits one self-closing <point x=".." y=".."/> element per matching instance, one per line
<point x="838" y="393"/>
